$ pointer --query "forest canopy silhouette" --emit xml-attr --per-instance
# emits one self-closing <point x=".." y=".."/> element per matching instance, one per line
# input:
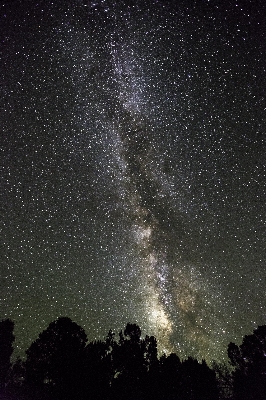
<point x="61" y="364"/>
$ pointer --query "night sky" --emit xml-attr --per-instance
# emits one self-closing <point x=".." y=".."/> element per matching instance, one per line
<point x="133" y="163"/>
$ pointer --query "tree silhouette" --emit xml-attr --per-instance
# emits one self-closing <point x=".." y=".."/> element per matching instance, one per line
<point x="249" y="360"/>
<point x="133" y="332"/>
<point x="55" y="359"/>
<point x="17" y="373"/>
<point x="151" y="359"/>
<point x="169" y="377"/>
<point x="59" y="365"/>
<point x="6" y="349"/>
<point x="97" y="372"/>
<point x="131" y="358"/>
<point x="224" y="379"/>
<point x="183" y="380"/>
<point x="198" y="381"/>
<point x="151" y="378"/>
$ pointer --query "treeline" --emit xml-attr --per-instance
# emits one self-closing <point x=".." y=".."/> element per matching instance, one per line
<point x="61" y="365"/>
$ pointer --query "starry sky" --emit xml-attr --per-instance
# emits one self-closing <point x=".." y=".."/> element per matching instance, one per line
<point x="133" y="163"/>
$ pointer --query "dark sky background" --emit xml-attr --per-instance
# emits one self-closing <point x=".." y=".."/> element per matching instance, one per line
<point x="133" y="169"/>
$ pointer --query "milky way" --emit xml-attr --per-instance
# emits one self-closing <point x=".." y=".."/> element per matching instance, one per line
<point x="133" y="163"/>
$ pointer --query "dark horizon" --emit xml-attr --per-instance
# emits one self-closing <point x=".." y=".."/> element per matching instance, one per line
<point x="62" y="364"/>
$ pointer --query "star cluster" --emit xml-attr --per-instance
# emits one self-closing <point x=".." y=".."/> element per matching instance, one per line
<point x="133" y="159"/>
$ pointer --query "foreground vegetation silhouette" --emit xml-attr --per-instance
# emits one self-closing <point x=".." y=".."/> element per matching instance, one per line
<point x="60" y="364"/>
